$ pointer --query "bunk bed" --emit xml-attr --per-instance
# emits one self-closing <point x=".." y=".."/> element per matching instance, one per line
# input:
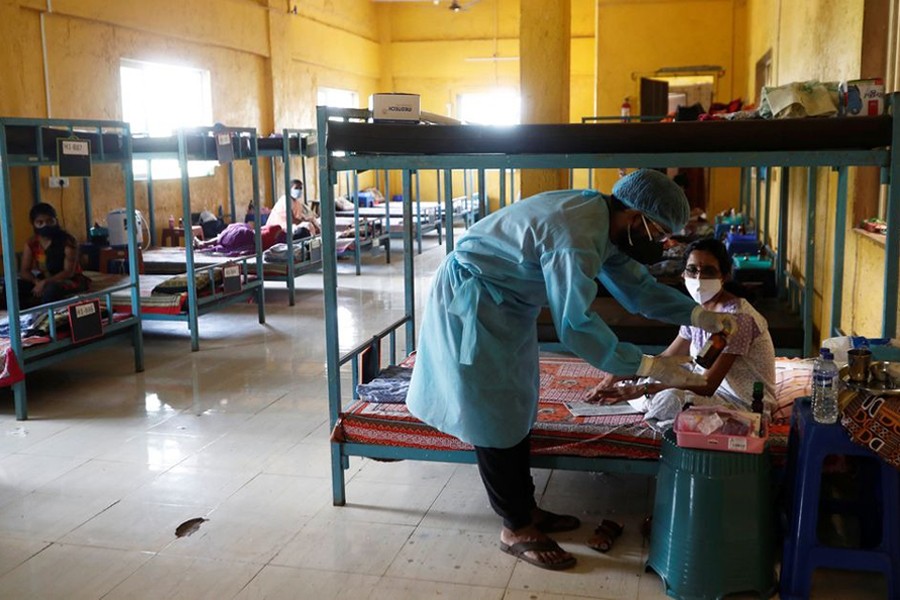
<point x="204" y="288"/>
<point x="32" y="144"/>
<point x="798" y="144"/>
<point x="308" y="257"/>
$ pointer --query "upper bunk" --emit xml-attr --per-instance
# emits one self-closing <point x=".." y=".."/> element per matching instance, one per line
<point x="215" y="143"/>
<point x="34" y="143"/>
<point x="290" y="142"/>
<point x="788" y="142"/>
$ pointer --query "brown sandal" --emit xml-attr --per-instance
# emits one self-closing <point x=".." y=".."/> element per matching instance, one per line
<point x="604" y="535"/>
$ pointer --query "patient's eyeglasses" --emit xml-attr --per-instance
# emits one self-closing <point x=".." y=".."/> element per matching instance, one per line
<point x="693" y="271"/>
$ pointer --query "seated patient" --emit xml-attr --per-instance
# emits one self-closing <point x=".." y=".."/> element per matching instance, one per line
<point x="748" y="357"/>
<point x="49" y="270"/>
<point x="304" y="220"/>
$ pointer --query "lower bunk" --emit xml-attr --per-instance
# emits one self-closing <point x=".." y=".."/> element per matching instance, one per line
<point x="560" y="440"/>
<point x="52" y="332"/>
<point x="168" y="298"/>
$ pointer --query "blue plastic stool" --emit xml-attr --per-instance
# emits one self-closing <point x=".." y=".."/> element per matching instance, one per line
<point x="810" y="444"/>
<point x="713" y="523"/>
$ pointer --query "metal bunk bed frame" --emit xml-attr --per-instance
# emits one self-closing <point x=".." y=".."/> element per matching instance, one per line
<point x="330" y="165"/>
<point x="244" y="145"/>
<point x="306" y="148"/>
<point x="35" y="357"/>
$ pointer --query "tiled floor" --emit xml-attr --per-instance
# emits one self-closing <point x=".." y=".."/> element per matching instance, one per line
<point x="94" y="485"/>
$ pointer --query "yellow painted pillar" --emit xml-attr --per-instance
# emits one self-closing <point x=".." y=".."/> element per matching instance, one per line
<point x="544" y="50"/>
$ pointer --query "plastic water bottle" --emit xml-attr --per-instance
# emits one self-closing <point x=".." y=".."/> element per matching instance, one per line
<point x="825" y="388"/>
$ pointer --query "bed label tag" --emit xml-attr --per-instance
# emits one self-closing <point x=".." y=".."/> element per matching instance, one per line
<point x="231" y="279"/>
<point x="85" y="321"/>
<point x="73" y="157"/>
<point x="224" y="149"/>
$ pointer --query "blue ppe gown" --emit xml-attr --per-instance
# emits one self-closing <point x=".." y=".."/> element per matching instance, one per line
<point x="476" y="375"/>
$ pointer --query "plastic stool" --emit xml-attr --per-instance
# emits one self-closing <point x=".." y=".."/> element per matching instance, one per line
<point x="713" y="523"/>
<point x="810" y="444"/>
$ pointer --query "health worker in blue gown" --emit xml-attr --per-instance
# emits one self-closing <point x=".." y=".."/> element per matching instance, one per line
<point x="476" y="372"/>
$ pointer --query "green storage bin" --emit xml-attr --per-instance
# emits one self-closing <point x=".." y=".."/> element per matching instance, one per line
<point x="713" y="523"/>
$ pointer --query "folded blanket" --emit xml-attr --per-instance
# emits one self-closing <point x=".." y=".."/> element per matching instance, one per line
<point x="390" y="386"/>
<point x="279" y="253"/>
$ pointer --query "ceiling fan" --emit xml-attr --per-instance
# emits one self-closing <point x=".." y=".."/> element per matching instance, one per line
<point x="457" y="6"/>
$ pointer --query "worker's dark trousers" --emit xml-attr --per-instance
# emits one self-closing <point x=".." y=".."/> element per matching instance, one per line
<point x="506" y="473"/>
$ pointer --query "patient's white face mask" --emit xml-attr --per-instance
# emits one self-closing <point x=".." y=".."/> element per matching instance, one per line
<point x="295" y="193"/>
<point x="702" y="290"/>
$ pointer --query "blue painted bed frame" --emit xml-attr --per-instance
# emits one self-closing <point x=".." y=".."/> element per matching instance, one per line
<point x="36" y="357"/>
<point x="306" y="148"/>
<point x="330" y="165"/>
<point x="252" y="288"/>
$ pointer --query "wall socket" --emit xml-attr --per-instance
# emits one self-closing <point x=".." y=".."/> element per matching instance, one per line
<point x="58" y="182"/>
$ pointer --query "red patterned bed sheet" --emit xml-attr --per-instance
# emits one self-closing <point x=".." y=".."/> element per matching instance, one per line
<point x="557" y="432"/>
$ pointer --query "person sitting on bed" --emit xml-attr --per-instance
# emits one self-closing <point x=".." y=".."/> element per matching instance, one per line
<point x="748" y="357"/>
<point x="476" y="375"/>
<point x="240" y="238"/>
<point x="49" y="270"/>
<point x="305" y="221"/>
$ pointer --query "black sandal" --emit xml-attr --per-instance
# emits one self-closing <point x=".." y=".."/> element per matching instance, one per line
<point x="604" y="535"/>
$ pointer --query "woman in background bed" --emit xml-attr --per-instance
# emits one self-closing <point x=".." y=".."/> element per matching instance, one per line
<point x="49" y="270"/>
<point x="748" y="357"/>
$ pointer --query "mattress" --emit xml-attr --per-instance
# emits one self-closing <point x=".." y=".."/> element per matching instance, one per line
<point x="22" y="140"/>
<point x="557" y="431"/>
<point x="200" y="146"/>
<point x="173" y="261"/>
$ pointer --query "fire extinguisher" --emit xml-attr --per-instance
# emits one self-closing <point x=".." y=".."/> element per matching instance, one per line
<point x="626" y="110"/>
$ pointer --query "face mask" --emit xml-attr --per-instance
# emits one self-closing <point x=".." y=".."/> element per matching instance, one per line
<point x="47" y="231"/>
<point x="640" y="248"/>
<point x="295" y="193"/>
<point x="702" y="290"/>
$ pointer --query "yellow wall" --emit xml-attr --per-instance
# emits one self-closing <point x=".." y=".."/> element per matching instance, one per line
<point x="265" y="66"/>
<point x="638" y="37"/>
<point x="830" y="51"/>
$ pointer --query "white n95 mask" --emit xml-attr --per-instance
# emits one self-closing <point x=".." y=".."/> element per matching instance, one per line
<point x="295" y="193"/>
<point x="702" y="290"/>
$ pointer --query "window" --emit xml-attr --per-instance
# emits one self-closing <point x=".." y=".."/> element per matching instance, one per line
<point x="157" y="99"/>
<point x="499" y="107"/>
<point x="337" y="98"/>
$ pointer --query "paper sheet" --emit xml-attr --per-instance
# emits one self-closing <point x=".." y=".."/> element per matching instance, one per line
<point x="583" y="409"/>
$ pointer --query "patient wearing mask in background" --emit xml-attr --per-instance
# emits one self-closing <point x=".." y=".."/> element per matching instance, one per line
<point x="748" y="357"/>
<point x="49" y="270"/>
<point x="305" y="222"/>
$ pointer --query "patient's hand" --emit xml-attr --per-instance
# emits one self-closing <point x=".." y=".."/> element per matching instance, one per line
<point x="614" y="394"/>
<point x="606" y="391"/>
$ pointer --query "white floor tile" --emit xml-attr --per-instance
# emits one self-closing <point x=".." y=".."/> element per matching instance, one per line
<point x="14" y="552"/>
<point x="467" y="557"/>
<point x="134" y="525"/>
<point x="390" y="588"/>
<point x="47" y="517"/>
<point x="177" y="578"/>
<point x="286" y="583"/>
<point x="347" y="546"/>
<point x="190" y="486"/>
<point x="384" y="503"/>
<point x="71" y="572"/>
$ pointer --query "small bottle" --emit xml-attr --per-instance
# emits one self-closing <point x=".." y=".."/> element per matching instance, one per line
<point x="181" y="222"/>
<point x="712" y="349"/>
<point x="825" y="384"/>
<point x="757" y="405"/>
<point x="171" y="222"/>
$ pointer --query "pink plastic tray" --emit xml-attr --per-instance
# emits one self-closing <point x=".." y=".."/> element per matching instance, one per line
<point x="724" y="443"/>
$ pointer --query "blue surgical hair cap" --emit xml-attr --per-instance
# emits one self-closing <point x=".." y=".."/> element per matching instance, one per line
<point x="655" y="195"/>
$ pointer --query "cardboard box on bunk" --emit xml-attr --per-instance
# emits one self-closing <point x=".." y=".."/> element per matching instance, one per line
<point x="862" y="97"/>
<point x="402" y="108"/>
